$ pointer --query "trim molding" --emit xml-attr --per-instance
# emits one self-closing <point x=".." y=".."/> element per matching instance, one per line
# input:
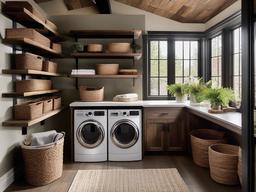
<point x="6" y="180"/>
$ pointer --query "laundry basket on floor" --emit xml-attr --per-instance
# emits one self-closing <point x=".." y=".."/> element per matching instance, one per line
<point x="43" y="165"/>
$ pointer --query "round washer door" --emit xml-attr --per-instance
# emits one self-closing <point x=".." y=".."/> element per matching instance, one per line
<point x="124" y="134"/>
<point x="90" y="134"/>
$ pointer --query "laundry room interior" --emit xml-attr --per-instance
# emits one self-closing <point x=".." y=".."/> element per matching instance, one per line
<point x="127" y="95"/>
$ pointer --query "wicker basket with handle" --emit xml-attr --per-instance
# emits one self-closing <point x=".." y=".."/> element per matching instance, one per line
<point x="90" y="94"/>
<point x="223" y="159"/>
<point x="43" y="165"/>
<point x="201" y="139"/>
<point x="33" y="85"/>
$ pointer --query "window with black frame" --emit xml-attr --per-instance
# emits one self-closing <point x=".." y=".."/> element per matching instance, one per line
<point x="216" y="61"/>
<point x="237" y="63"/>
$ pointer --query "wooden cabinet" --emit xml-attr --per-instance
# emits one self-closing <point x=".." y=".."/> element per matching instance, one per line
<point x="164" y="129"/>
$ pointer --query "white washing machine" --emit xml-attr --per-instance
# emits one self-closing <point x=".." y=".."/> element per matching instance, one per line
<point x="124" y="135"/>
<point x="90" y="135"/>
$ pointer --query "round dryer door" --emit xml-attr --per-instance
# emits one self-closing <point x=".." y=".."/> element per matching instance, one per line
<point x="124" y="134"/>
<point x="90" y="134"/>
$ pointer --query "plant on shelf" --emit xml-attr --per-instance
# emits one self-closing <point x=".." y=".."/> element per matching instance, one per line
<point x="196" y="89"/>
<point x="219" y="97"/>
<point x="178" y="90"/>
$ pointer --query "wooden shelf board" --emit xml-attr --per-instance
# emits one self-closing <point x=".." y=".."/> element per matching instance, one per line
<point x="107" y="76"/>
<point x="28" y="19"/>
<point x="32" y="46"/>
<point x="107" y="55"/>
<point x="106" y="33"/>
<point x="29" y="94"/>
<point x="27" y="123"/>
<point x="29" y="72"/>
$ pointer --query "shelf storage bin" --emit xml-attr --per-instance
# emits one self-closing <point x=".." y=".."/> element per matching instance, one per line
<point x="56" y="47"/>
<point x="201" y="139"/>
<point x="48" y="105"/>
<point x="91" y="94"/>
<point x="50" y="66"/>
<point x="33" y="85"/>
<point x="56" y="103"/>
<point x="43" y="165"/>
<point x="223" y="161"/>
<point x="28" y="61"/>
<point x="119" y="47"/>
<point x="28" y="111"/>
<point x="21" y="33"/>
<point x="94" y="48"/>
<point x="107" y="69"/>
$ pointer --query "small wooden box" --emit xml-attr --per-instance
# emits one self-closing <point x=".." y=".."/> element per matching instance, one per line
<point x="29" y="34"/>
<point x="56" y="103"/>
<point x="28" y="61"/>
<point x="50" y="66"/>
<point x="56" y="47"/>
<point x="47" y="105"/>
<point x="28" y="111"/>
<point x="33" y="85"/>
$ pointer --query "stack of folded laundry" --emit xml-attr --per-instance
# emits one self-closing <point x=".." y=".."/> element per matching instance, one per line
<point x="83" y="72"/>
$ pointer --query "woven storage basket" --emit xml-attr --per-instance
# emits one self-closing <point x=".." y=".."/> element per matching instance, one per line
<point x="91" y="94"/>
<point x="50" y="66"/>
<point x="119" y="47"/>
<point x="223" y="161"/>
<point x="239" y="166"/>
<point x="107" y="69"/>
<point x="48" y="105"/>
<point x="56" y="47"/>
<point x="33" y="85"/>
<point x="43" y="165"/>
<point x="56" y="102"/>
<point x="201" y="139"/>
<point x="29" y="34"/>
<point x="94" y="48"/>
<point x="28" y="61"/>
<point x="29" y="110"/>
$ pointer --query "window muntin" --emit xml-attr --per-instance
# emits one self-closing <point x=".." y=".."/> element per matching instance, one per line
<point x="216" y="61"/>
<point x="237" y="63"/>
<point x="186" y="60"/>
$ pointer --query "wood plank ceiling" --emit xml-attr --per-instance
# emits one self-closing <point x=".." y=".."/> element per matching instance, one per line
<point x="185" y="11"/>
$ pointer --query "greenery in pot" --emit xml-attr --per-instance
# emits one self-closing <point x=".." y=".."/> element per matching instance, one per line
<point x="219" y="97"/>
<point x="178" y="90"/>
<point x="196" y="90"/>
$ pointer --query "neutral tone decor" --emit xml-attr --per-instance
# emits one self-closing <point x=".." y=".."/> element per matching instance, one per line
<point x="119" y="47"/>
<point x="28" y="111"/>
<point x="91" y="94"/>
<point x="28" y="61"/>
<point x="107" y="69"/>
<point x="128" y="180"/>
<point x="201" y="139"/>
<point x="33" y="85"/>
<point x="223" y="161"/>
<point x="94" y="47"/>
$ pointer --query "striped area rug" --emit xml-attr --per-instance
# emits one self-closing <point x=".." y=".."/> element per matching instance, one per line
<point x="128" y="180"/>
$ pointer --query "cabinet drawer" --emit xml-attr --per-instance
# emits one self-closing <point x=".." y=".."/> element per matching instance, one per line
<point x="160" y="114"/>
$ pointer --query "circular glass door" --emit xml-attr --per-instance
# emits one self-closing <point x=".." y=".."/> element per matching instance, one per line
<point x="124" y="134"/>
<point x="90" y="134"/>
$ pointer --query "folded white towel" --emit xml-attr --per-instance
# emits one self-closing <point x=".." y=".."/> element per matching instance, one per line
<point x="42" y="138"/>
<point x="83" y="72"/>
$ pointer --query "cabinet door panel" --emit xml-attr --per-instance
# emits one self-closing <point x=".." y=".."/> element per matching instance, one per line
<point x="175" y="137"/>
<point x="154" y="139"/>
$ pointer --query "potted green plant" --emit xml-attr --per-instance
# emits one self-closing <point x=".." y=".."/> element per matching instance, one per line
<point x="219" y="97"/>
<point x="196" y="91"/>
<point x="178" y="90"/>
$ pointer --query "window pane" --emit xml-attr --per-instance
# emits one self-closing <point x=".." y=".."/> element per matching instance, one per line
<point x="178" y="68"/>
<point x="236" y="40"/>
<point x="214" y="66"/>
<point x="194" y="49"/>
<point x="216" y="60"/>
<point x="153" y="86"/>
<point x="163" y="68"/>
<point x="194" y="68"/>
<point x="154" y="49"/>
<point x="186" y="50"/>
<point x="178" y="50"/>
<point x="163" y="86"/>
<point x="154" y="68"/>
<point x="214" y="47"/>
<point x="236" y="64"/>
<point x="186" y="68"/>
<point x="163" y="49"/>
<point x="178" y="80"/>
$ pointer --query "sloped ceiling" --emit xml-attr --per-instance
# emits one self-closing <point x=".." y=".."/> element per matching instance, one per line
<point x="185" y="11"/>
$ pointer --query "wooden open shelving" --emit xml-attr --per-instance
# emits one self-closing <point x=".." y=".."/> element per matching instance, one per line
<point x="102" y="34"/>
<point x="28" y="19"/>
<point x="32" y="46"/>
<point x="108" y="55"/>
<point x="29" y="94"/>
<point x="107" y="76"/>
<point x="29" y="72"/>
<point x="27" y="123"/>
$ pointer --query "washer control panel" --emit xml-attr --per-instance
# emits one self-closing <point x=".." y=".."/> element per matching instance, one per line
<point x="125" y="113"/>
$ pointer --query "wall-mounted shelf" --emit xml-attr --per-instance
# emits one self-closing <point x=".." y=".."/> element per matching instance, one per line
<point x="32" y="46"/>
<point x="29" y="72"/>
<point x="136" y="56"/>
<point x="30" y="94"/>
<point x="28" y="19"/>
<point x="102" y="34"/>
<point x="107" y="76"/>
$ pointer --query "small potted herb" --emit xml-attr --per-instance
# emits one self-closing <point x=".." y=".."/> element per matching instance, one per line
<point x="196" y="91"/>
<point x="219" y="97"/>
<point x="178" y="90"/>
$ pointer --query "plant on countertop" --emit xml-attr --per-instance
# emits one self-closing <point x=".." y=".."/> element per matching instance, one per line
<point x="219" y="97"/>
<point x="178" y="90"/>
<point x="196" y="90"/>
